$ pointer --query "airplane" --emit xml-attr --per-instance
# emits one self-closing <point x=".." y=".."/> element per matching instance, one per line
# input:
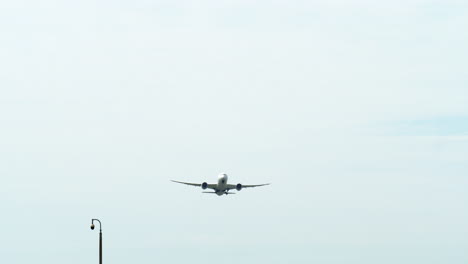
<point x="222" y="187"/>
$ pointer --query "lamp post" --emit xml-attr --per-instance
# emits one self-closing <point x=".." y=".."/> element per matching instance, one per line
<point x="100" y="238"/>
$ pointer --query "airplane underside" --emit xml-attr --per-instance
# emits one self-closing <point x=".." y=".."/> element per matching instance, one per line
<point x="220" y="193"/>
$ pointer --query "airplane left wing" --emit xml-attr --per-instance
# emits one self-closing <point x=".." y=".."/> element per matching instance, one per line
<point x="256" y="185"/>
<point x="234" y="186"/>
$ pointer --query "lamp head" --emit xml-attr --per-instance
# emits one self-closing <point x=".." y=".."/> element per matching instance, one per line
<point x="92" y="226"/>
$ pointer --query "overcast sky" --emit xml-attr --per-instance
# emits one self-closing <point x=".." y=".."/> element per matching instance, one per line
<point x="355" y="111"/>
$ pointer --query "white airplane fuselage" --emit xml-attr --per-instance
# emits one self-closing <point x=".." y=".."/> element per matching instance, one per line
<point x="222" y="184"/>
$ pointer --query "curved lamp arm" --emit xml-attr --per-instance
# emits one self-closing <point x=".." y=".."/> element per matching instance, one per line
<point x="92" y="224"/>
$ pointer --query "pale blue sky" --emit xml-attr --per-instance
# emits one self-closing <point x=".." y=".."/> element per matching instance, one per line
<point x="356" y="111"/>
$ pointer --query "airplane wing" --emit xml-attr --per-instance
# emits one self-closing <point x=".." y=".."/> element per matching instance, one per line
<point x="233" y="186"/>
<point x="210" y="186"/>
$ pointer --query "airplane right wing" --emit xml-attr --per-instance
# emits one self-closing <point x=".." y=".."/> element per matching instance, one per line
<point x="209" y="186"/>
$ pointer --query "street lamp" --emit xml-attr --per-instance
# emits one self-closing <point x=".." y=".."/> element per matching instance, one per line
<point x="100" y="238"/>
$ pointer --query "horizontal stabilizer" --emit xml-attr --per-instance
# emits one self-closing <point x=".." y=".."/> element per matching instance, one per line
<point x="216" y="193"/>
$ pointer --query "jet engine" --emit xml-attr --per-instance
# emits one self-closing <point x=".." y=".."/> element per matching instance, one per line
<point x="204" y="185"/>
<point x="239" y="187"/>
